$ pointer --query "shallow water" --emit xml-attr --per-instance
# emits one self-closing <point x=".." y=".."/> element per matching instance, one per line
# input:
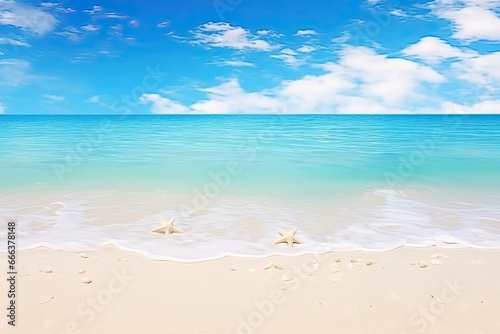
<point x="347" y="182"/>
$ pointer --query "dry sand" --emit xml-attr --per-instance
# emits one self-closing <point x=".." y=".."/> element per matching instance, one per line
<point x="112" y="291"/>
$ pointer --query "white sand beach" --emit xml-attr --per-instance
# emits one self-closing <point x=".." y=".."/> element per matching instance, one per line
<point x="112" y="291"/>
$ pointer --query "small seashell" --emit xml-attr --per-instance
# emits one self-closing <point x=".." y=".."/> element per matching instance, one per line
<point x="87" y="280"/>
<point x="81" y="272"/>
<point x="337" y="260"/>
<point x="370" y="263"/>
<point x="435" y="261"/>
<point x="84" y="256"/>
<point x="422" y="264"/>
<point x="287" y="276"/>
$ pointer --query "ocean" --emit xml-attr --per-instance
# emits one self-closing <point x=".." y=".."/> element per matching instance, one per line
<point x="347" y="182"/>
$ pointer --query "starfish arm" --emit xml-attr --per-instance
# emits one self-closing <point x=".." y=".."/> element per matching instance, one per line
<point x="280" y="240"/>
<point x="170" y="229"/>
<point x="282" y="232"/>
<point x="160" y="229"/>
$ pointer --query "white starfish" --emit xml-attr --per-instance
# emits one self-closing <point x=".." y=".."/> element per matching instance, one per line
<point x="167" y="227"/>
<point x="288" y="237"/>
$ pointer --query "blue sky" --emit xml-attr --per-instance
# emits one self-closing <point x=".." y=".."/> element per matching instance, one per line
<point x="249" y="56"/>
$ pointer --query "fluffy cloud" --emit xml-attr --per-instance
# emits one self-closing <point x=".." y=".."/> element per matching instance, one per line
<point x="288" y="57"/>
<point x="306" y="32"/>
<point x="471" y="19"/>
<point x="483" y="107"/>
<point x="434" y="50"/>
<point x="362" y="81"/>
<point x="90" y="28"/>
<point x="391" y="79"/>
<point x="482" y="69"/>
<point x="306" y="49"/>
<point x="223" y="35"/>
<point x="2" y="108"/>
<point x="229" y="97"/>
<point x="26" y="17"/>
<point x="163" y="105"/>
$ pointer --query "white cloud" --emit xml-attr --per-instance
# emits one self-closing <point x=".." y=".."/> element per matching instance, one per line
<point x="314" y="93"/>
<point x="2" y="108"/>
<point x="398" y="12"/>
<point x="15" y="42"/>
<point x="26" y="17"/>
<point x="134" y="23"/>
<point x="94" y="10"/>
<point x="57" y="7"/>
<point x="482" y="69"/>
<point x="72" y="33"/>
<point x="342" y="38"/>
<point x="306" y="49"/>
<point x="163" y="105"/>
<point x="434" y="50"/>
<point x="288" y="51"/>
<point x="236" y="63"/>
<point x="362" y="81"/>
<point x="229" y="97"/>
<point x="373" y="2"/>
<point x="54" y="98"/>
<point x="14" y="72"/>
<point x="223" y="35"/>
<point x="288" y="57"/>
<point x="163" y="24"/>
<point x="471" y="19"/>
<point x="115" y="16"/>
<point x="474" y="23"/>
<point x="90" y="28"/>
<point x="307" y="32"/>
<point x="393" y="80"/>
<point x="483" y="107"/>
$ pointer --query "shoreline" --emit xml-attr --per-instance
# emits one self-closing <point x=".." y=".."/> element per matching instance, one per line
<point x="342" y="292"/>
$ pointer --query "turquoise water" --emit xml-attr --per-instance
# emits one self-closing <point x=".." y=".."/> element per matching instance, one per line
<point x="282" y="155"/>
<point x="318" y="166"/>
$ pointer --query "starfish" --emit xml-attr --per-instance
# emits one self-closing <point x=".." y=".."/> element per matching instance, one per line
<point x="167" y="227"/>
<point x="288" y="237"/>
